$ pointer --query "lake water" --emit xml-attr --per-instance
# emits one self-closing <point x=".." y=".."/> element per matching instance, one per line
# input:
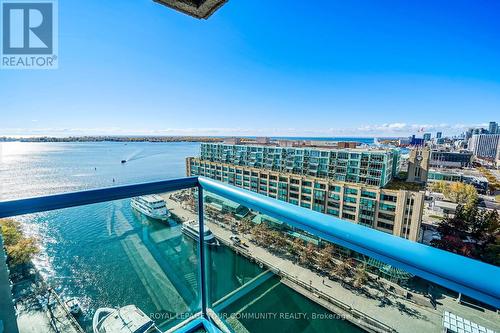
<point x="108" y="255"/>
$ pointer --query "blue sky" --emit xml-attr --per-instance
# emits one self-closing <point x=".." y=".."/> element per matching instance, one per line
<point x="261" y="67"/>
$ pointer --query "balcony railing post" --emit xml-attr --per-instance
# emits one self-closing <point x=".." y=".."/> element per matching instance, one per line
<point x="203" y="277"/>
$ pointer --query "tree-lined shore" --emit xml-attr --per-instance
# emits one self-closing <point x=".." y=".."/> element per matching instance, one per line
<point x="106" y="138"/>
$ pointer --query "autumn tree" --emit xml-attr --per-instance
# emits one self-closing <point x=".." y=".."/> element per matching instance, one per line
<point x="439" y="186"/>
<point x="360" y="276"/>
<point x="471" y="232"/>
<point x="297" y="246"/>
<point x="20" y="249"/>
<point x="461" y="193"/>
<point x="325" y="259"/>
<point x="307" y="255"/>
<point x="343" y="270"/>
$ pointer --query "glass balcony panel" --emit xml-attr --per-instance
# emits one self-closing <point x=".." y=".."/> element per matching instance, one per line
<point x="246" y="290"/>
<point x="284" y="272"/>
<point x="110" y="254"/>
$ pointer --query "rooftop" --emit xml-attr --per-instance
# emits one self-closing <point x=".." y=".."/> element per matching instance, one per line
<point x="308" y="147"/>
<point x="396" y="184"/>
<point x="471" y="172"/>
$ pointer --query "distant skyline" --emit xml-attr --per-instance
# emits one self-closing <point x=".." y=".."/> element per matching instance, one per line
<point x="263" y="68"/>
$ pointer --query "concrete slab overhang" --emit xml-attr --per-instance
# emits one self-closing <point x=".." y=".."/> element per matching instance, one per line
<point x="201" y="9"/>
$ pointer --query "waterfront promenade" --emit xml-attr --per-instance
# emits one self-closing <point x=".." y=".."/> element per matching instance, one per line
<point x="55" y="318"/>
<point x="402" y="315"/>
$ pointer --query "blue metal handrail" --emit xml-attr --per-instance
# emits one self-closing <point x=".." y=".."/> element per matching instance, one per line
<point x="470" y="277"/>
<point x="81" y="198"/>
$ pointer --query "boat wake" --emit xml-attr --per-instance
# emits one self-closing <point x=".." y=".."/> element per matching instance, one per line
<point x="141" y="154"/>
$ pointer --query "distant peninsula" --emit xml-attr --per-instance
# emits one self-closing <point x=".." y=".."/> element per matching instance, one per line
<point x="113" y="139"/>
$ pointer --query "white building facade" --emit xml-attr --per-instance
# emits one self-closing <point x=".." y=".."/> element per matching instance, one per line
<point x="484" y="145"/>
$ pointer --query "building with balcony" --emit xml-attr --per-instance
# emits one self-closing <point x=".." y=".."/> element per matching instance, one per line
<point x="361" y="166"/>
<point x="396" y="212"/>
<point x="484" y="145"/>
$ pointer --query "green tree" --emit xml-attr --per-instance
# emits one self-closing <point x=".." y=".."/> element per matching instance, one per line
<point x="245" y="226"/>
<point x="307" y="256"/>
<point x="279" y="240"/>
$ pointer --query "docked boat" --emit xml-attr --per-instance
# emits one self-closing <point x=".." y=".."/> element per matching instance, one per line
<point x="153" y="206"/>
<point x="191" y="229"/>
<point x="73" y="306"/>
<point x="127" y="319"/>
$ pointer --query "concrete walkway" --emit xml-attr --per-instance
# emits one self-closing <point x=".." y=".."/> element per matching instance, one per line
<point x="35" y="319"/>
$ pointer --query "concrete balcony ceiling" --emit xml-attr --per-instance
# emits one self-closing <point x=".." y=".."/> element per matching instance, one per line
<point x="201" y="9"/>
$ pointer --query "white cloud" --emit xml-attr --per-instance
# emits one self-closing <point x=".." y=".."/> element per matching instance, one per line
<point x="403" y="129"/>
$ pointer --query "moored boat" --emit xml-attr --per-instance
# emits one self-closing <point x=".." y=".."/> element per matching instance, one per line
<point x="127" y="319"/>
<point x="153" y="206"/>
<point x="73" y="306"/>
<point x="191" y="229"/>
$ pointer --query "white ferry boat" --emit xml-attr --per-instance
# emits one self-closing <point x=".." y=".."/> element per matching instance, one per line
<point x="128" y="319"/>
<point x="153" y="206"/>
<point x="191" y="229"/>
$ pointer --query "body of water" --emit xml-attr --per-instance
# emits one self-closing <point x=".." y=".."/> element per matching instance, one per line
<point x="109" y="255"/>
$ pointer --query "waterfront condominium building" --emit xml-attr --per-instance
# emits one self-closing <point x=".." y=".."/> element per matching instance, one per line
<point x="397" y="212"/>
<point x="484" y="145"/>
<point x="362" y="166"/>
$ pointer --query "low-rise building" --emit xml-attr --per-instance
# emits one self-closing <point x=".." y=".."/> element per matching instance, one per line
<point x="463" y="176"/>
<point x="397" y="212"/>
<point x="450" y="159"/>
